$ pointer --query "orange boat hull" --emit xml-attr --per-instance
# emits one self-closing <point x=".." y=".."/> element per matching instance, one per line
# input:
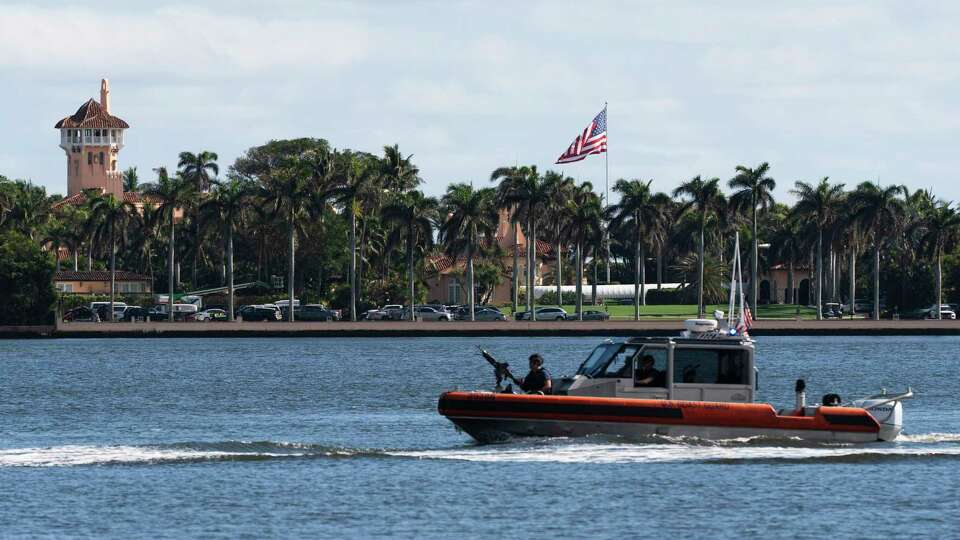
<point x="488" y="417"/>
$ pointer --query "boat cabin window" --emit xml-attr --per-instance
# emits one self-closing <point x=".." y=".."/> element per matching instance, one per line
<point x="655" y="378"/>
<point x="597" y="360"/>
<point x="621" y="364"/>
<point x="706" y="366"/>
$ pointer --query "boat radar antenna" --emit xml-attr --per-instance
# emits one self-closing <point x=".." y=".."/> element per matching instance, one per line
<point x="738" y="318"/>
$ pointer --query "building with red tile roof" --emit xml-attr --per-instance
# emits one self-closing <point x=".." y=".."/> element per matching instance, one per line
<point x="92" y="139"/>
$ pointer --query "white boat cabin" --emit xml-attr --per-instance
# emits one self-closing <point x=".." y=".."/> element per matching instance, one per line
<point x="690" y="369"/>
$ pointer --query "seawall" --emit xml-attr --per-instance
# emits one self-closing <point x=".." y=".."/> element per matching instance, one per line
<point x="464" y="328"/>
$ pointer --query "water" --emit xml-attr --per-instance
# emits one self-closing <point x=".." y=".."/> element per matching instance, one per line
<point x="340" y="438"/>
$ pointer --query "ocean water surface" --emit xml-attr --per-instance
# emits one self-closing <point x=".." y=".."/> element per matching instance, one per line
<point x="173" y="438"/>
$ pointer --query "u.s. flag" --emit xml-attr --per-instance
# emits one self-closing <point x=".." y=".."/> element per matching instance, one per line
<point x="593" y="140"/>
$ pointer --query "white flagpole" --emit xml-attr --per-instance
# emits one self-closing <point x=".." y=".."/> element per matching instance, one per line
<point x="733" y="280"/>
<point x="606" y="185"/>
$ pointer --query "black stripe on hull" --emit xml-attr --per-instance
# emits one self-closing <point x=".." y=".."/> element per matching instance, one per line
<point x="576" y="409"/>
<point x="850" y="420"/>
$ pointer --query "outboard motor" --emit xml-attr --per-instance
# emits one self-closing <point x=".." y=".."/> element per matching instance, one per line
<point x="887" y="410"/>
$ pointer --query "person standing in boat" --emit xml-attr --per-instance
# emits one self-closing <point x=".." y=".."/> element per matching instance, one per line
<point x="538" y="379"/>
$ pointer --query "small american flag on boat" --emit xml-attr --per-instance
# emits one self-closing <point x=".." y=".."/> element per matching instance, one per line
<point x="593" y="140"/>
<point x="745" y="322"/>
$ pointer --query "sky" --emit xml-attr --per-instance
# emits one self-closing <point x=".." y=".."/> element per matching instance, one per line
<point x="857" y="91"/>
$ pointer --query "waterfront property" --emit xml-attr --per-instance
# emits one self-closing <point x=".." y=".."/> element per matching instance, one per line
<point x="98" y="282"/>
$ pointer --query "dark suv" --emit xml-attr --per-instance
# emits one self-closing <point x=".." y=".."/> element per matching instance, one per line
<point x="259" y="313"/>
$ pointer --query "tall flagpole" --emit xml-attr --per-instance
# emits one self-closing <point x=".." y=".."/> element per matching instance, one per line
<point x="606" y="186"/>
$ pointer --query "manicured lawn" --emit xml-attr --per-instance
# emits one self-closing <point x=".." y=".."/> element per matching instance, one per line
<point x="775" y="311"/>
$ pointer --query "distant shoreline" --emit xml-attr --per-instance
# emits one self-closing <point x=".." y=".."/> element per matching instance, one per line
<point x="382" y="329"/>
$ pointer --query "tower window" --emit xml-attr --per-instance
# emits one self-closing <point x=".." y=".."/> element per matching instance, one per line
<point x="89" y="158"/>
<point x="101" y="159"/>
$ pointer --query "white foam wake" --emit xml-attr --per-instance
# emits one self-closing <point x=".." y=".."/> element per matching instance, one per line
<point x="64" y="456"/>
<point x="662" y="453"/>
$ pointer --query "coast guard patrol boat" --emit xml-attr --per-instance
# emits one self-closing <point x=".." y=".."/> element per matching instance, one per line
<point x="705" y="388"/>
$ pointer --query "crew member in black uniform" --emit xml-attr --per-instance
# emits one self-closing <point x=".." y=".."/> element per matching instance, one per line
<point x="648" y="375"/>
<point x="538" y="380"/>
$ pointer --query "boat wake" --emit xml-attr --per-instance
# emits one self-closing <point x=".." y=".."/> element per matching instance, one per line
<point x="928" y="446"/>
<point x="190" y="452"/>
<point x="731" y="451"/>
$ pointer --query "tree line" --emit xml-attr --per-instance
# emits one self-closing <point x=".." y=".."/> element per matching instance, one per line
<point x="354" y="228"/>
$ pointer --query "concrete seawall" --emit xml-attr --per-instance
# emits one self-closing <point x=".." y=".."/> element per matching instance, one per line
<point x="463" y="328"/>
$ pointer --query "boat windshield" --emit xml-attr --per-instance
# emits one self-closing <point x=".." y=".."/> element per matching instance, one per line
<point x="594" y="364"/>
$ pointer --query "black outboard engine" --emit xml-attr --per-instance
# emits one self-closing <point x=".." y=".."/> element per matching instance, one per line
<point x="831" y="400"/>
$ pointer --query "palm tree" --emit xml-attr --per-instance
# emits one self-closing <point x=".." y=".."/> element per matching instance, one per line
<point x="354" y="181"/>
<point x="471" y="219"/>
<point x="171" y="195"/>
<point x="131" y="182"/>
<point x="642" y="209"/>
<point x="819" y="205"/>
<point x="523" y="189"/>
<point x="289" y="191"/>
<point x="227" y="207"/>
<point x="109" y="219"/>
<point x="705" y="199"/>
<point x="399" y="173"/>
<point x="509" y="177"/>
<point x="754" y="192"/>
<point x="411" y="217"/>
<point x="584" y="225"/>
<point x="940" y="231"/>
<point x="559" y="190"/>
<point x="879" y="211"/>
<point x="200" y="169"/>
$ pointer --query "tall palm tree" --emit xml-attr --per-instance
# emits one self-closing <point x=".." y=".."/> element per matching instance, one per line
<point x="411" y="217"/>
<point x="108" y="221"/>
<point x="523" y="189"/>
<point x="705" y="199"/>
<point x="584" y="225"/>
<point x="471" y="221"/>
<point x="941" y="229"/>
<point x="289" y="191"/>
<point x="171" y="194"/>
<point x="879" y="211"/>
<point x="641" y="208"/>
<point x="559" y="190"/>
<point x="509" y="178"/>
<point x="200" y="169"/>
<point x="399" y="173"/>
<point x="355" y="179"/>
<point x="819" y="205"/>
<point x="754" y="192"/>
<point x="226" y="207"/>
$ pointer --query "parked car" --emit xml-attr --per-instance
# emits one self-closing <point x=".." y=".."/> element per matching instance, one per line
<point x="462" y="313"/>
<point x="543" y="314"/>
<point x="386" y="313"/>
<point x="946" y="312"/>
<point x="259" y="313"/>
<point x="314" y="312"/>
<point x="591" y="315"/>
<point x="134" y="313"/>
<point x="488" y="314"/>
<point x="212" y="314"/>
<point x="427" y="313"/>
<point x="78" y="314"/>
